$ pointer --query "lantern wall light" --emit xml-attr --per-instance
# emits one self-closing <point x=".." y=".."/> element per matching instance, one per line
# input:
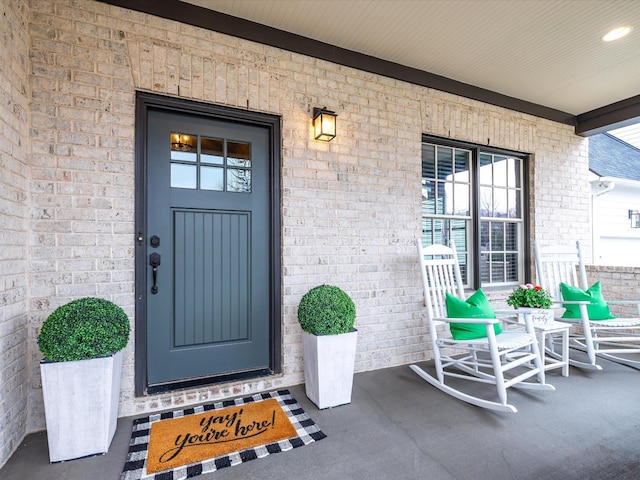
<point x="324" y="124"/>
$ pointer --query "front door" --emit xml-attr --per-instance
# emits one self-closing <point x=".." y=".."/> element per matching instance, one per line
<point x="207" y="249"/>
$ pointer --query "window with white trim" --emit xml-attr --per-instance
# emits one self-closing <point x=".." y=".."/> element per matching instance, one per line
<point x="477" y="197"/>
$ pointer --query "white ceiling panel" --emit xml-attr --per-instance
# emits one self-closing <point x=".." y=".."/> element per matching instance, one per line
<point x="548" y="52"/>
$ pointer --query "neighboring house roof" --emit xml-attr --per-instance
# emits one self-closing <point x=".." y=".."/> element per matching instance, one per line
<point x="611" y="157"/>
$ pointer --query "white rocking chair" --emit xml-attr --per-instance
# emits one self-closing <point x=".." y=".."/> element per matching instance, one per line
<point x="485" y="360"/>
<point x="604" y="338"/>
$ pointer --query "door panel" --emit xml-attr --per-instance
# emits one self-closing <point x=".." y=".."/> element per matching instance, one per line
<point x="206" y="277"/>
<point x="207" y="202"/>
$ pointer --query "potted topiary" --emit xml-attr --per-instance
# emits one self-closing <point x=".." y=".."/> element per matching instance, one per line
<point x="327" y="315"/>
<point x="82" y="343"/>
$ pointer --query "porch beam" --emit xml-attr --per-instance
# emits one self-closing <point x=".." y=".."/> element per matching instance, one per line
<point x="616" y="115"/>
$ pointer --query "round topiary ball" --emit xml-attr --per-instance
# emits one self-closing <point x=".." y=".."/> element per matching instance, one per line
<point x="83" y="329"/>
<point x="326" y="310"/>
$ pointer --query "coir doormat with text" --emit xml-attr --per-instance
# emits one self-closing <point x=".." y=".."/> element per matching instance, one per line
<point x="185" y="443"/>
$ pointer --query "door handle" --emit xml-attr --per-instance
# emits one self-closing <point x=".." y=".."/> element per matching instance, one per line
<point x="154" y="261"/>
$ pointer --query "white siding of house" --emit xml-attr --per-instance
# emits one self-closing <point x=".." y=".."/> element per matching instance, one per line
<point x="629" y="134"/>
<point x="615" y="243"/>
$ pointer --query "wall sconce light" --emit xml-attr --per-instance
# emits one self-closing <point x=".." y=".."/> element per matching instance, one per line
<point x="634" y="216"/>
<point x="324" y="124"/>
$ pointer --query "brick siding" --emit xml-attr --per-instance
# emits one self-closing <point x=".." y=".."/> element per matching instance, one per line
<point x="350" y="208"/>
<point x="14" y="221"/>
<point x="618" y="283"/>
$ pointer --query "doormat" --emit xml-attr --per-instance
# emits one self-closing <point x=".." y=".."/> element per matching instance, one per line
<point x="199" y="440"/>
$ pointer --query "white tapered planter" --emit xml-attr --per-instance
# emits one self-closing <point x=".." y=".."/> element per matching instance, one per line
<point x="81" y="405"/>
<point x="328" y="367"/>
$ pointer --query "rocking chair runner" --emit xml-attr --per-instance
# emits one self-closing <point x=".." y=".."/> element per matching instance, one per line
<point x="607" y="338"/>
<point x="504" y="360"/>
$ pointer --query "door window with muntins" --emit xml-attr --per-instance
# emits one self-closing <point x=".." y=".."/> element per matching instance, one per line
<point x="217" y="164"/>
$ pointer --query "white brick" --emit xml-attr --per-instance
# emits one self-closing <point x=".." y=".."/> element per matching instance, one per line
<point x="350" y="208"/>
<point x="14" y="235"/>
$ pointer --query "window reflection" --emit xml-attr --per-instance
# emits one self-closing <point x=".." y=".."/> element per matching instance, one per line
<point x="238" y="180"/>
<point x="445" y="163"/>
<point x="500" y="193"/>
<point x="183" y="176"/>
<point x="462" y="165"/>
<point x="182" y="147"/>
<point x="499" y="171"/>
<point x="212" y="150"/>
<point x="212" y="178"/>
<point x="442" y="231"/>
<point x="208" y="163"/>
<point x="239" y="154"/>
<point x="500" y="202"/>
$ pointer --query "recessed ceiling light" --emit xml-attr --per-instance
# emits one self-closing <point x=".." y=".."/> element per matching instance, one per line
<point x="616" y="33"/>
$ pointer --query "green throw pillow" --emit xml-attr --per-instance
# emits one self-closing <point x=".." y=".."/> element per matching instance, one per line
<point x="476" y="306"/>
<point x="597" y="308"/>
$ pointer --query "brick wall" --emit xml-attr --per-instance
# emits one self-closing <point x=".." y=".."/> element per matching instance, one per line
<point x="82" y="168"/>
<point x="618" y="283"/>
<point x="14" y="219"/>
<point x="350" y="208"/>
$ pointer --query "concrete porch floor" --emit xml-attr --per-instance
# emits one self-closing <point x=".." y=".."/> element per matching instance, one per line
<point x="399" y="427"/>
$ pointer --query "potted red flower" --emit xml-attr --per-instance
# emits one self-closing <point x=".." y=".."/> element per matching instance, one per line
<point x="529" y="296"/>
<point x="532" y="296"/>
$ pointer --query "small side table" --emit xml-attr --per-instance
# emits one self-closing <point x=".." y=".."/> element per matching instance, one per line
<point x="546" y="331"/>
<point x="550" y="358"/>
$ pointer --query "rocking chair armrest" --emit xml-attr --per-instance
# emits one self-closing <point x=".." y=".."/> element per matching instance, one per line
<point x="507" y="316"/>
<point x="559" y="304"/>
<point x="484" y="321"/>
<point x="513" y="315"/>
<point x="514" y="312"/>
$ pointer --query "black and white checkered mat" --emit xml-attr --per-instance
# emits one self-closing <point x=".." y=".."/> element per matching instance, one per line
<point x="135" y="466"/>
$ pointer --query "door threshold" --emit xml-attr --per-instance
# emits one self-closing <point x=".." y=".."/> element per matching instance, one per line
<point x="203" y="381"/>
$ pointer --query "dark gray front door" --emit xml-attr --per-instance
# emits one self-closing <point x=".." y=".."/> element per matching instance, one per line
<point x="207" y="248"/>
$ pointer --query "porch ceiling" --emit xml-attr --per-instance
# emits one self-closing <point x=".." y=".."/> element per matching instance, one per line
<point x="541" y="53"/>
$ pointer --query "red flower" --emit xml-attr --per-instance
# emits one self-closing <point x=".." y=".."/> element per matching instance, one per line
<point x="537" y="288"/>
